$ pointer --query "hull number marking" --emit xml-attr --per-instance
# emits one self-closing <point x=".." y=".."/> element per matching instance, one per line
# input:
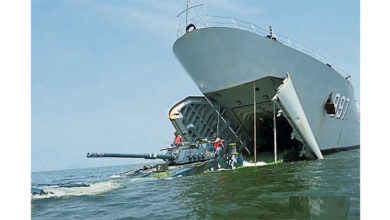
<point x="341" y="104"/>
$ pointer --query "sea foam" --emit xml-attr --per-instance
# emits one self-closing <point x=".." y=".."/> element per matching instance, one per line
<point x="249" y="164"/>
<point x="92" y="189"/>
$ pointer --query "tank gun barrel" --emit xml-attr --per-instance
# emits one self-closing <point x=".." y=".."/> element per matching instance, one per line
<point x="145" y="156"/>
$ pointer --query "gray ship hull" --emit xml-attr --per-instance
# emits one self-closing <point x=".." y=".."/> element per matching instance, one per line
<point x="227" y="63"/>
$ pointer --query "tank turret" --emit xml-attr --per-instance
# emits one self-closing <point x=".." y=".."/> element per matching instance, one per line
<point x="187" y="153"/>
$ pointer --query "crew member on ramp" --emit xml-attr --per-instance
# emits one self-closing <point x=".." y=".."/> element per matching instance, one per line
<point x="218" y="142"/>
<point x="177" y="141"/>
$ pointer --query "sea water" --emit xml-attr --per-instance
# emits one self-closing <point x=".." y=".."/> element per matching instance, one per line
<point x="328" y="188"/>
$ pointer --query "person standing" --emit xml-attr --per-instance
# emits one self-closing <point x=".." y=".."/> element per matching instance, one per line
<point x="177" y="141"/>
<point x="218" y="146"/>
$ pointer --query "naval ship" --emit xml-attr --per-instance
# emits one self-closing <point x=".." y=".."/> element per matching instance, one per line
<point x="261" y="90"/>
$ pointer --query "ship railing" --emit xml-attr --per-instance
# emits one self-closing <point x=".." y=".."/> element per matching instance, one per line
<point x="198" y="16"/>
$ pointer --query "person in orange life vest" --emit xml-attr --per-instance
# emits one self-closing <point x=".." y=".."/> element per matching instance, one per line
<point x="217" y="146"/>
<point x="177" y="140"/>
<point x="218" y="142"/>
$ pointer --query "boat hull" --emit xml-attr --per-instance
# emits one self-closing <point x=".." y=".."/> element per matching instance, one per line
<point x="220" y="59"/>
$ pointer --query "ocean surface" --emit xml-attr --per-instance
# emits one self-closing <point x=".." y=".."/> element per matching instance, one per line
<point x="326" y="189"/>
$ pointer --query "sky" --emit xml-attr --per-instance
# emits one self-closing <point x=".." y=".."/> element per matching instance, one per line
<point x="103" y="73"/>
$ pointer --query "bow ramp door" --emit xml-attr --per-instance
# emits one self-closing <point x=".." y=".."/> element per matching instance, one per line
<point x="286" y="98"/>
<point x="197" y="118"/>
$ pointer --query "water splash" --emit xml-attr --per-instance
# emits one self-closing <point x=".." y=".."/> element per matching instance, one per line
<point x="116" y="176"/>
<point x="92" y="189"/>
<point x="250" y="164"/>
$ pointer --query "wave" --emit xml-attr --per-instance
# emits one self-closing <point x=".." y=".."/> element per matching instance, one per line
<point x="92" y="189"/>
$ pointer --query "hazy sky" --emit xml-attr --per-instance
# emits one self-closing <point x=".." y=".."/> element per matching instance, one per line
<point x="104" y="75"/>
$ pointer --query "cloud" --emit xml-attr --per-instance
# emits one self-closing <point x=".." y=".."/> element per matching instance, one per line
<point x="149" y="16"/>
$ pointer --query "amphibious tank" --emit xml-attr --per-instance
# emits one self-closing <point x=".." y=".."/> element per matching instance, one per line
<point x="184" y="159"/>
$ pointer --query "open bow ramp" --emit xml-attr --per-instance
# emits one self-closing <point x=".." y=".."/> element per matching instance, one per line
<point x="288" y="101"/>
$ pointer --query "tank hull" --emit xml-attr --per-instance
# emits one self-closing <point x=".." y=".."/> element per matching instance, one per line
<point x="226" y="162"/>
